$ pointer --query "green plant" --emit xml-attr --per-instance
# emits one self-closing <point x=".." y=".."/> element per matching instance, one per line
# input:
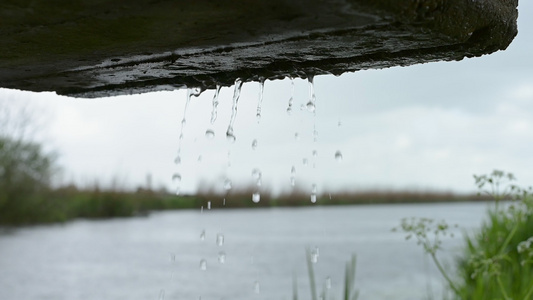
<point x="497" y="260"/>
<point x="349" y="291"/>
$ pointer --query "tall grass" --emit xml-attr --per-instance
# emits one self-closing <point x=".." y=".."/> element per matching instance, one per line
<point x="349" y="291"/>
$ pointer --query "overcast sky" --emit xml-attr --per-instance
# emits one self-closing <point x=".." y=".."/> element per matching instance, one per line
<point x="423" y="127"/>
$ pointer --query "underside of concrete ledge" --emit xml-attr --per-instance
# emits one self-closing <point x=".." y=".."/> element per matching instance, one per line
<point x="97" y="48"/>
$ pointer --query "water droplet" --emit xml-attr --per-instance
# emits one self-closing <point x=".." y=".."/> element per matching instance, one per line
<point x="315" y="153"/>
<point x="202" y="209"/>
<point x="256" y="173"/>
<point x="293" y="170"/>
<point x="338" y="156"/>
<point x="162" y="295"/>
<point x="293" y="181"/>
<point x="256" y="197"/>
<point x="176" y="177"/>
<point x="202" y="235"/>
<point x="203" y="265"/>
<point x="305" y="162"/>
<point x="339" y="124"/>
<point x="222" y="257"/>
<point x="208" y="204"/>
<point x="224" y="202"/>
<point x="177" y="160"/>
<point x="220" y="239"/>
<point x="210" y="134"/>
<point x="296" y="136"/>
<point x="315" y="253"/>
<point x="236" y="94"/>
<point x="328" y="283"/>
<point x="227" y="184"/>
<point x="313" y="198"/>
<point x="172" y="257"/>
<point x="313" y="188"/>
<point x="291" y="99"/>
<point x="311" y="105"/>
<point x="254" y="144"/>
<point x="196" y="92"/>
<point x="230" y="136"/>
<point x="257" y="287"/>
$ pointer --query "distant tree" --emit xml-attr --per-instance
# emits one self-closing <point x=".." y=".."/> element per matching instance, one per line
<point x="26" y="169"/>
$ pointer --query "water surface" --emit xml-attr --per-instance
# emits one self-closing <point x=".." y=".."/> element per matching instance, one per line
<point x="161" y="256"/>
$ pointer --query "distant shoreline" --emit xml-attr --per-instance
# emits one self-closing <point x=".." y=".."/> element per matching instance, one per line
<point x="69" y="203"/>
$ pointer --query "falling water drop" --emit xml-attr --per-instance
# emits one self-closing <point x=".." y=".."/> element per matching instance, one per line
<point x="215" y="104"/>
<point x="196" y="92"/>
<point x="296" y="136"/>
<point x="210" y="134"/>
<point x="222" y="257"/>
<point x="236" y="94"/>
<point x="202" y="235"/>
<point x="260" y="101"/>
<point x="305" y="161"/>
<point x="224" y="202"/>
<point x="315" y="253"/>
<point x="162" y="295"/>
<point x="257" y="287"/>
<point x="313" y="198"/>
<point x="172" y="257"/>
<point x="291" y="99"/>
<point x="311" y="105"/>
<point x="256" y="197"/>
<point x="203" y="265"/>
<point x="176" y="178"/>
<point x="315" y="153"/>
<point x="208" y="205"/>
<point x="293" y="176"/>
<point x="220" y="239"/>
<point x="257" y="175"/>
<point x="328" y="283"/>
<point x="230" y="136"/>
<point x="177" y="160"/>
<point x="254" y="144"/>
<point x="227" y="184"/>
<point x="338" y="156"/>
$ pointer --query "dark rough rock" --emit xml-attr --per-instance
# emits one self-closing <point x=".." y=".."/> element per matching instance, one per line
<point x="96" y="48"/>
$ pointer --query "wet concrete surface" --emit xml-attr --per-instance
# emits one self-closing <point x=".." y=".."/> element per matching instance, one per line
<point x="88" y="48"/>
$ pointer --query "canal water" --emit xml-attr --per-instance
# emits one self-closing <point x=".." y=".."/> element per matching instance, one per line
<point x="230" y="254"/>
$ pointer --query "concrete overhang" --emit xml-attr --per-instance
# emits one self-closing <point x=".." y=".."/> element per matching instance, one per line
<point x="97" y="48"/>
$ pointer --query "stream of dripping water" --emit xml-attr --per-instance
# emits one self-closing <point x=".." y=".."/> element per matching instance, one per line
<point x="176" y="177"/>
<point x="260" y="101"/>
<point x="311" y="106"/>
<point x="307" y="105"/>
<point x="236" y="94"/>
